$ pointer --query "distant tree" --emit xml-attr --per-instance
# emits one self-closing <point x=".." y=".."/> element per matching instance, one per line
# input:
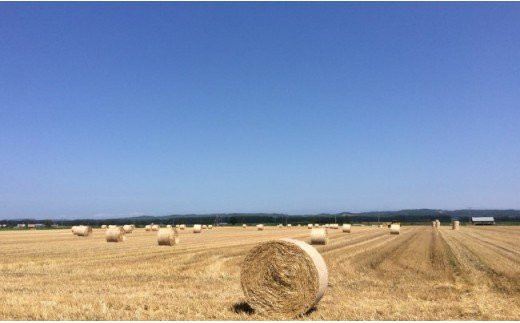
<point x="233" y="220"/>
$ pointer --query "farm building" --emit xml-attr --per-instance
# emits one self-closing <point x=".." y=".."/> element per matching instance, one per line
<point x="482" y="220"/>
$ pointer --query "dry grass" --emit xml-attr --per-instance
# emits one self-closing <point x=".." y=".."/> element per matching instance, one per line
<point x="421" y="274"/>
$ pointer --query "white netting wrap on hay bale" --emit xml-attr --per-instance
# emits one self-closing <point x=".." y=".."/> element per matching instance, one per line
<point x="167" y="237"/>
<point x="395" y="228"/>
<point x="259" y="227"/>
<point x="197" y="228"/>
<point x="319" y="236"/>
<point x="284" y="277"/>
<point x="83" y="230"/>
<point x="116" y="234"/>
<point x="346" y="227"/>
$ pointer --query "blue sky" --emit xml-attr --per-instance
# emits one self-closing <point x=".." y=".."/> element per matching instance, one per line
<point x="111" y="109"/>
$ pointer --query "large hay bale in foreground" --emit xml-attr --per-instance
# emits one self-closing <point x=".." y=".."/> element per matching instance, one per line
<point x="74" y="229"/>
<point x="155" y="227"/>
<point x="260" y="227"/>
<point x="116" y="234"/>
<point x="455" y="225"/>
<point x="148" y="227"/>
<point x="128" y="228"/>
<point x="167" y="237"/>
<point x="284" y="277"/>
<point x="395" y="228"/>
<point x="319" y="236"/>
<point x="197" y="228"/>
<point x="346" y="228"/>
<point x="309" y="226"/>
<point x="83" y="230"/>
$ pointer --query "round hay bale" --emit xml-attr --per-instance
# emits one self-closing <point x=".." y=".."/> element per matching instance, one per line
<point x="433" y="224"/>
<point x="334" y="226"/>
<point x="167" y="237"/>
<point x="104" y="226"/>
<point x="289" y="225"/>
<point x="285" y="277"/>
<point x="116" y="234"/>
<point x="319" y="236"/>
<point x="280" y="225"/>
<point x="74" y="228"/>
<point x="148" y="227"/>
<point x="210" y="226"/>
<point x="155" y="227"/>
<point x="395" y="228"/>
<point x="309" y="226"/>
<point x="128" y="228"/>
<point x="455" y="225"/>
<point x="260" y="227"/>
<point x="197" y="228"/>
<point x="177" y="226"/>
<point x="244" y="226"/>
<point x="346" y="227"/>
<point x="83" y="230"/>
<point x="316" y="225"/>
<point x="112" y="226"/>
<point x="168" y="226"/>
<point x="204" y="226"/>
<point x="182" y="226"/>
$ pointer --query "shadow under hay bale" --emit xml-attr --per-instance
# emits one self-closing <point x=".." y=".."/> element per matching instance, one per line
<point x="243" y="308"/>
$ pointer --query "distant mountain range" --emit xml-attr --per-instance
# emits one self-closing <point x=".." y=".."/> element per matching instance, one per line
<point x="410" y="216"/>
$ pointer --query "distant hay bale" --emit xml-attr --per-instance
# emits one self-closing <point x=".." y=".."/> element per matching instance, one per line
<point x="168" y="226"/>
<point x="395" y="228"/>
<point x="260" y="227"/>
<point x="434" y="224"/>
<point x="280" y="225"/>
<point x="316" y="225"/>
<point x="334" y="226"/>
<point x="148" y="227"/>
<point x="286" y="277"/>
<point x="210" y="226"/>
<point x="83" y="230"/>
<point x="197" y="228"/>
<point x="289" y="225"/>
<point x="204" y="226"/>
<point x="112" y="226"/>
<point x="128" y="228"/>
<point x="182" y="226"/>
<point x="167" y="237"/>
<point x="116" y="234"/>
<point x="177" y="226"/>
<point x="346" y="227"/>
<point x="104" y="226"/>
<point x="309" y="226"/>
<point x="319" y="236"/>
<point x="244" y="226"/>
<point x="455" y="225"/>
<point x="155" y="227"/>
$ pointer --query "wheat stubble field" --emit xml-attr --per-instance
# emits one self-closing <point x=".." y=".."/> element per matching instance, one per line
<point x="421" y="274"/>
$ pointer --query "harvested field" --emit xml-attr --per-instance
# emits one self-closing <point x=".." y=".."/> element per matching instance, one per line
<point x="421" y="274"/>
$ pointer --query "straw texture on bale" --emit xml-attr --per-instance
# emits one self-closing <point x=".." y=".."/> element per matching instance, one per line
<point x="104" y="226"/>
<point x="155" y="227"/>
<point x="128" y="228"/>
<point x="455" y="225"/>
<point x="116" y="234"/>
<point x="83" y="231"/>
<point x="148" y="227"/>
<point x="259" y="227"/>
<point x="182" y="226"/>
<point x="167" y="237"/>
<point x="319" y="236"/>
<point x="346" y="228"/>
<point x="197" y="228"/>
<point x="309" y="226"/>
<point x="286" y="277"/>
<point x="395" y="228"/>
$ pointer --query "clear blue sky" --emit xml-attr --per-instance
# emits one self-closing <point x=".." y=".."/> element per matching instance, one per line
<point x="158" y="108"/>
